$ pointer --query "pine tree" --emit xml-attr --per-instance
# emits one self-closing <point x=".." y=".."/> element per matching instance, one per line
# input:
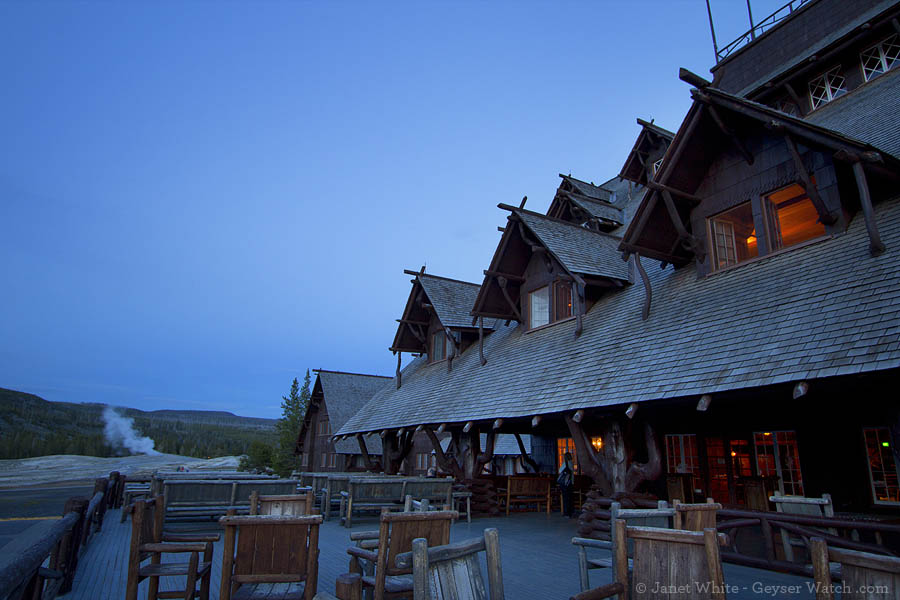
<point x="293" y="409"/>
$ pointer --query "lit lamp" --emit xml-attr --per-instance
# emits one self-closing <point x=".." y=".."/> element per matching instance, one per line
<point x="597" y="443"/>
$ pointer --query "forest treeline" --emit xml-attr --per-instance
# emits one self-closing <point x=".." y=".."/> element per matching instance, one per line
<point x="31" y="426"/>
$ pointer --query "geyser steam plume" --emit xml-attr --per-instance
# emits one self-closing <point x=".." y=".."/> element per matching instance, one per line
<point x="120" y="433"/>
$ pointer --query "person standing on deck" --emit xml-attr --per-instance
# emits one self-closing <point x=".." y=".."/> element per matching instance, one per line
<point x="564" y="481"/>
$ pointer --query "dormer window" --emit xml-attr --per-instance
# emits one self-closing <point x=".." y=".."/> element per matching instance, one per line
<point x="826" y="87"/>
<point x="790" y="218"/>
<point x="545" y="307"/>
<point x="439" y="346"/>
<point x="881" y="57"/>
<point x="656" y="166"/>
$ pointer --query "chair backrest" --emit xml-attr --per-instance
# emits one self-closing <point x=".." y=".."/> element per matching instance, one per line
<point x="671" y="559"/>
<point x="270" y="549"/>
<point x="660" y="517"/>
<point x="198" y="492"/>
<point x="146" y="526"/>
<point x="680" y="486"/>
<point x="454" y="571"/>
<point x="289" y="504"/>
<point x="376" y="488"/>
<point x="527" y="486"/>
<point x="435" y="490"/>
<point x="397" y="532"/>
<point x="243" y="489"/>
<point x="696" y="517"/>
<point x="755" y="493"/>
<point x="801" y="505"/>
<point x="866" y="576"/>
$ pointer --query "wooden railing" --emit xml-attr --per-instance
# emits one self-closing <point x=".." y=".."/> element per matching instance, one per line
<point x="23" y="576"/>
<point x="766" y="525"/>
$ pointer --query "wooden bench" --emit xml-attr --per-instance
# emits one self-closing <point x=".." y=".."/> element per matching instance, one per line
<point x="213" y="498"/>
<point x="865" y="576"/>
<point x="160" y="477"/>
<point x="436" y="491"/>
<point x="371" y="493"/>
<point x="290" y="505"/>
<point x="527" y="490"/>
<point x="800" y="505"/>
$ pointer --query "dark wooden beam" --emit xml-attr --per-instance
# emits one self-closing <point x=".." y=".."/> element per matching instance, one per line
<point x="417" y="333"/>
<point x="691" y="78"/>
<point x="481" y="341"/>
<point x="796" y="98"/>
<point x="399" y="358"/>
<point x="693" y="243"/>
<point x="501" y="281"/>
<point x="508" y="276"/>
<point x="648" y="297"/>
<point x="811" y="190"/>
<point x="727" y="132"/>
<point x="526" y="460"/>
<point x="411" y="322"/>
<point x="674" y="191"/>
<point x="654" y="254"/>
<point x="876" y="246"/>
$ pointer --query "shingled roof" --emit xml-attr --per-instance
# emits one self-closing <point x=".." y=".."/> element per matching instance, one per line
<point x="344" y="394"/>
<point x="868" y="114"/>
<point x="821" y="310"/>
<point x="504" y="444"/>
<point x="578" y="249"/>
<point x="452" y="299"/>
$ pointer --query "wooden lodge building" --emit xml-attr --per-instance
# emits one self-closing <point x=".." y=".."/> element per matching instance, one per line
<point x="726" y="308"/>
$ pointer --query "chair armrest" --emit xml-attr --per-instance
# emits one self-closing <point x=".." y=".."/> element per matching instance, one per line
<point x="172" y="548"/>
<point x="364" y="535"/>
<point x="211" y="537"/>
<point x="361" y="553"/>
<point x="368" y="544"/>
<point x="604" y="591"/>
<point x="604" y="544"/>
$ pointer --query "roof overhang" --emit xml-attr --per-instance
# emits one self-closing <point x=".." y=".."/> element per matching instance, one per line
<point x="651" y="143"/>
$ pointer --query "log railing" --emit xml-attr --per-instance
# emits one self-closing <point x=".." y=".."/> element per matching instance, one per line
<point x="765" y="526"/>
<point x="23" y="575"/>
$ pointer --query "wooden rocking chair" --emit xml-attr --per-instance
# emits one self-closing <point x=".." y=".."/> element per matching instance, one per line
<point x="696" y="517"/>
<point x="395" y="536"/>
<point x="454" y="571"/>
<point x="270" y="556"/>
<point x="290" y="505"/>
<point x="149" y="541"/>
<point x="667" y="558"/>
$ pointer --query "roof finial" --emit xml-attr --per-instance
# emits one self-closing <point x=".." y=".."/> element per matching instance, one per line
<point x="422" y="270"/>
<point x="524" y="200"/>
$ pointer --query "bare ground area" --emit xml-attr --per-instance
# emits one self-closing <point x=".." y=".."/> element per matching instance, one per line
<point x="64" y="469"/>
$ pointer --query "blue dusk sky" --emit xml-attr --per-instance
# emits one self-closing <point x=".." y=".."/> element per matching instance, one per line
<point x="201" y="200"/>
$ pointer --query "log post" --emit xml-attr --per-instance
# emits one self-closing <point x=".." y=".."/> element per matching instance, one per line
<point x="71" y="542"/>
<point x="371" y="465"/>
<point x="527" y="461"/>
<point x="447" y="463"/>
<point x="876" y="246"/>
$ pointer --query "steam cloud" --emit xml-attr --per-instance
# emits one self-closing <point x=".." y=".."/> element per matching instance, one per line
<point x="120" y="433"/>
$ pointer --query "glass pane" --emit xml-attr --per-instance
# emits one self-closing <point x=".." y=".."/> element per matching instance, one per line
<point x="437" y="346"/>
<point x="792" y="218"/>
<point x="734" y="236"/>
<point x="882" y="468"/>
<point x="539" y="309"/>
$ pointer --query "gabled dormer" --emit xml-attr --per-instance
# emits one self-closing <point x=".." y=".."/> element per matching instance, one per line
<point x="586" y="204"/>
<point x="436" y="321"/>
<point x="742" y="180"/>
<point x="546" y="270"/>
<point x="646" y="156"/>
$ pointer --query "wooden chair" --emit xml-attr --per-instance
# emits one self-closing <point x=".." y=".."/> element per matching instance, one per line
<point x="667" y="558"/>
<point x="696" y="517"/>
<point x="800" y="505"/>
<point x="866" y="576"/>
<point x="148" y="541"/>
<point x="289" y="505"/>
<point x="660" y="517"/>
<point x="395" y="536"/>
<point x="270" y="556"/>
<point x="454" y="571"/>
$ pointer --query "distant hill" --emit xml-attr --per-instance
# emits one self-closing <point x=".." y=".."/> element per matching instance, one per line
<point x="31" y="426"/>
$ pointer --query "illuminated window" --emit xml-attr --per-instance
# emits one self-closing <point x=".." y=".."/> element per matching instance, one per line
<point x="733" y="236"/>
<point x="826" y="87"/>
<point x="777" y="454"/>
<point x="539" y="307"/>
<point x="880" y="58"/>
<point x="681" y="454"/>
<point x="562" y="300"/>
<point x="564" y="445"/>
<point x="882" y="468"/>
<point x="791" y="218"/>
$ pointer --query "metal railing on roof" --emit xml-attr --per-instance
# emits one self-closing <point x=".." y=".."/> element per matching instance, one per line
<point x="757" y="29"/>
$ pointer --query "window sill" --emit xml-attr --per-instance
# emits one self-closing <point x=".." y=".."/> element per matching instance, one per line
<point x="540" y="327"/>
<point x="757" y="259"/>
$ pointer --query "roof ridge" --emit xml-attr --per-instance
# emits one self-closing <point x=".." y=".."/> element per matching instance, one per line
<point x="584" y="182"/>
<point x="590" y="199"/>
<point x="416" y="273"/>
<point x="652" y="125"/>
<point x="555" y="220"/>
<point x="349" y="373"/>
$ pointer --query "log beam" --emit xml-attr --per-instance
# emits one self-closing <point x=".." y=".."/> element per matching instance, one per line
<point x="648" y="292"/>
<point x="502" y="281"/>
<point x="536" y="420"/>
<point x="727" y="132"/>
<point x="876" y="246"/>
<point x="674" y="191"/>
<point x="811" y="190"/>
<point x="578" y="416"/>
<point x="527" y="461"/>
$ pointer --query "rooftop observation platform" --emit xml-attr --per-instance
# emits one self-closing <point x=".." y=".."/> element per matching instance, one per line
<point x="539" y="561"/>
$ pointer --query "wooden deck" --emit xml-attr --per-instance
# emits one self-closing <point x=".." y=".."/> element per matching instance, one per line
<point x="539" y="562"/>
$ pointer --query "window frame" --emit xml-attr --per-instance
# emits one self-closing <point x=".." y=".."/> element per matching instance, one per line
<point x="530" y="297"/>
<point x="831" y="92"/>
<point x="776" y="457"/>
<point x="711" y="238"/>
<point x="882" y="58"/>
<point x="552" y="288"/>
<point x="442" y="335"/>
<point x="875" y="499"/>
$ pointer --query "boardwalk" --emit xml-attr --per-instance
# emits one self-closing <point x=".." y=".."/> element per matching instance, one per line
<point x="539" y="563"/>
